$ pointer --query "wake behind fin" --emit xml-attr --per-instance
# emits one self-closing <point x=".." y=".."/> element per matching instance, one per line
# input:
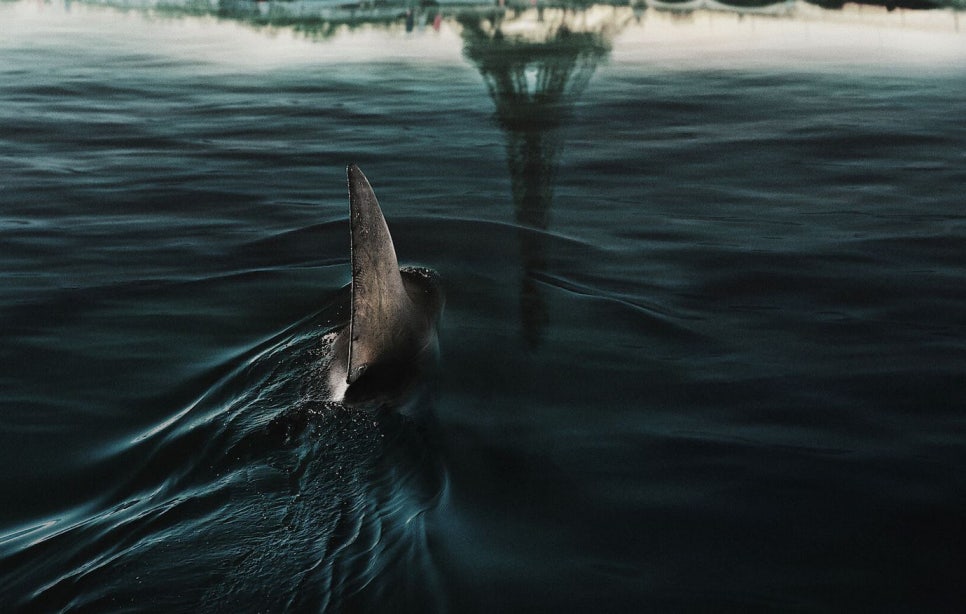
<point x="381" y="307"/>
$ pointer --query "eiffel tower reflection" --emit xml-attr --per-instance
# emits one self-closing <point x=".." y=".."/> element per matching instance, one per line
<point x="536" y="64"/>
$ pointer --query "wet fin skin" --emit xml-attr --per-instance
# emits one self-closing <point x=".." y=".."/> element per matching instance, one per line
<point x="383" y="315"/>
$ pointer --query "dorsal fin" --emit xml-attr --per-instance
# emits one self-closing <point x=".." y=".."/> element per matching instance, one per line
<point x="380" y="303"/>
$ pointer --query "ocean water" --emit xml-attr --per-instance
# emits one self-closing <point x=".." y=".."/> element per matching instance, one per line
<point x="704" y="343"/>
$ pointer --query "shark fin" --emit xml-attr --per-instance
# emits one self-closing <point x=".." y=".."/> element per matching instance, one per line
<point x="381" y="305"/>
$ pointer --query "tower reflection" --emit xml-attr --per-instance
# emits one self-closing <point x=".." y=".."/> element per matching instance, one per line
<point x="536" y="64"/>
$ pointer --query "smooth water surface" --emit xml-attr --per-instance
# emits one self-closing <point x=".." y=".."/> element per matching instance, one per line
<point x="704" y="342"/>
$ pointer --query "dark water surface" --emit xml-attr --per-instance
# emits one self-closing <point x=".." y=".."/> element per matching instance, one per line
<point x="704" y="342"/>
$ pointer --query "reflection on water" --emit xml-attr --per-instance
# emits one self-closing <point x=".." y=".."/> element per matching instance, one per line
<point x="314" y="20"/>
<point x="535" y="65"/>
<point x="536" y="59"/>
<point x="324" y="19"/>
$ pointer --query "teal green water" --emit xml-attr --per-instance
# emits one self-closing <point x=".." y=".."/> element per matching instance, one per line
<point x="703" y="345"/>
